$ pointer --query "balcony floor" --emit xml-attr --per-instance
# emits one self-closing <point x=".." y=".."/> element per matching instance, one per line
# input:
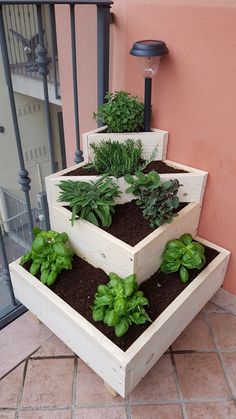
<point x="195" y="379"/>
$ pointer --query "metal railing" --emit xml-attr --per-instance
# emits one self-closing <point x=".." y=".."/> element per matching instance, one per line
<point x="43" y="63"/>
<point x="22" y="36"/>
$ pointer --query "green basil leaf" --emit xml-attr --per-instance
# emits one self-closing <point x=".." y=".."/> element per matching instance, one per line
<point x="186" y="239"/>
<point x="112" y="318"/>
<point x="25" y="258"/>
<point x="52" y="276"/>
<point x="34" y="269"/>
<point x="38" y="244"/>
<point x="184" y="274"/>
<point x="120" y="306"/>
<point x="98" y="314"/>
<point x="122" y="327"/>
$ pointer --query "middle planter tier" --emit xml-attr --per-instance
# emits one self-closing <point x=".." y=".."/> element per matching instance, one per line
<point x="103" y="250"/>
<point x="193" y="182"/>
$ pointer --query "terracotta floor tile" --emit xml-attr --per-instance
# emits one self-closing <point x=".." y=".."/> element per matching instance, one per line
<point x="90" y="388"/>
<point x="213" y="410"/>
<point x="53" y="347"/>
<point x="101" y="413"/>
<point x="229" y="360"/>
<point x="48" y="382"/>
<point x="195" y="337"/>
<point x="212" y="307"/>
<point x="223" y="327"/>
<point x="168" y="411"/>
<point x="225" y="299"/>
<point x="7" y="415"/>
<point x="19" y="339"/>
<point x="200" y="375"/>
<point x="158" y="384"/>
<point x="10" y="387"/>
<point x="45" y="414"/>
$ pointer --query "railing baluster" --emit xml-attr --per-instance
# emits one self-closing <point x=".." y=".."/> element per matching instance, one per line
<point x="78" y="152"/>
<point x="24" y="179"/>
<point x="43" y="62"/>
<point x="13" y="40"/>
<point x="103" y="32"/>
<point x="54" y="47"/>
<point x="5" y="271"/>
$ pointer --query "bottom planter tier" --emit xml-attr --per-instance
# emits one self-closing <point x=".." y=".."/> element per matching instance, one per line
<point x="120" y="370"/>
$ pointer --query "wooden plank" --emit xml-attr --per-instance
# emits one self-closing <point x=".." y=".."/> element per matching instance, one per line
<point x="104" y="357"/>
<point x="149" y="347"/>
<point x="193" y="188"/>
<point x="147" y="257"/>
<point x="105" y="251"/>
<point x="157" y="138"/>
<point x="94" y="245"/>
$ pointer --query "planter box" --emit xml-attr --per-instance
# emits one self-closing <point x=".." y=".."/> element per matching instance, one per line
<point x="105" y="251"/>
<point x="194" y="183"/>
<point x="156" y="138"/>
<point x="121" y="370"/>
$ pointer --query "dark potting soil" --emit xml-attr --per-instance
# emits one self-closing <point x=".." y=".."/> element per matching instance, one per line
<point x="128" y="223"/>
<point x="158" y="166"/>
<point x="77" y="287"/>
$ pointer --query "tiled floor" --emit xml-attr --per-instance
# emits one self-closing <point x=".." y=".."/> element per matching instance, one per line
<point x="196" y="379"/>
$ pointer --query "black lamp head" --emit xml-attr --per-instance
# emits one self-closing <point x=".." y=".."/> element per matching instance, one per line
<point x="149" y="48"/>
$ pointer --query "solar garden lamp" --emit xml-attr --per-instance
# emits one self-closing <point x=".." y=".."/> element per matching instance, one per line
<point x="149" y="53"/>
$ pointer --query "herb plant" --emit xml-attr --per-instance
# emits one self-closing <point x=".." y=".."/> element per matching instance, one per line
<point x="181" y="255"/>
<point x="121" y="112"/>
<point x="119" y="304"/>
<point x="116" y="159"/>
<point x="158" y="201"/>
<point x="50" y="254"/>
<point x="91" y="201"/>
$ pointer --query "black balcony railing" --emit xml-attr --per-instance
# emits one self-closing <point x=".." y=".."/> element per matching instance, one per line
<point x="29" y="47"/>
<point x="22" y="36"/>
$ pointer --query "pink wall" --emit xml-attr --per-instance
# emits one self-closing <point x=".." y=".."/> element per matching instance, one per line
<point x="194" y="96"/>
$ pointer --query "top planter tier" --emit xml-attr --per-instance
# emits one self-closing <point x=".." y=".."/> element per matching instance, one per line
<point x="151" y="140"/>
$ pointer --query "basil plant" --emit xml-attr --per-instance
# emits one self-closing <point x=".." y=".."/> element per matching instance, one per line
<point x="49" y="254"/>
<point x="119" y="304"/>
<point x="183" y="254"/>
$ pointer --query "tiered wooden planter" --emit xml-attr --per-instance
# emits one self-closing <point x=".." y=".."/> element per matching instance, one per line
<point x="121" y="370"/>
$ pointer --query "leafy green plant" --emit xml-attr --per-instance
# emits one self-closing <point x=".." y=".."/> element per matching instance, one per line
<point x="158" y="201"/>
<point x="116" y="159"/>
<point x="50" y="254"/>
<point x="119" y="304"/>
<point x="181" y="255"/>
<point x="121" y="112"/>
<point x="91" y="201"/>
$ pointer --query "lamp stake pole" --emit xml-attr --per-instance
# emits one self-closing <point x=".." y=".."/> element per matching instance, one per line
<point x="147" y="103"/>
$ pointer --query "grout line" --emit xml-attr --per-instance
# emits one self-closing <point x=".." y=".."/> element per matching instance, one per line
<point x="228" y="381"/>
<point x="183" y="408"/>
<point x="19" y="399"/>
<point x="39" y="358"/>
<point x="45" y="408"/>
<point x="74" y="382"/>
<point x="25" y="359"/>
<point x="127" y="408"/>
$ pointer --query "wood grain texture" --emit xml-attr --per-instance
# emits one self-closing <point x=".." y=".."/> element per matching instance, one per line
<point x="150" y="346"/>
<point x="192" y="189"/>
<point x="151" y="140"/>
<point x="102" y="250"/>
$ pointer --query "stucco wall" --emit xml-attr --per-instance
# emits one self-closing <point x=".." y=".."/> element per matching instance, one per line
<point x="194" y="95"/>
